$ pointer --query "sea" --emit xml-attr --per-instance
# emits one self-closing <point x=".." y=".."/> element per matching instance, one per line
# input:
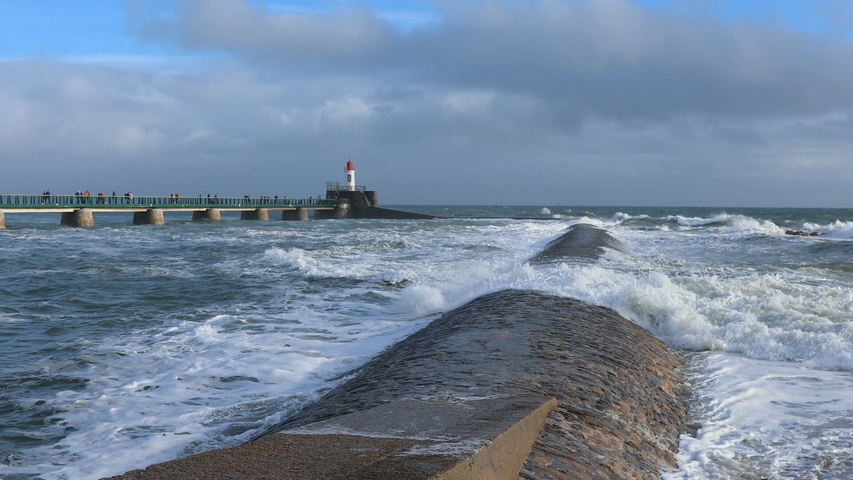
<point x="127" y="345"/>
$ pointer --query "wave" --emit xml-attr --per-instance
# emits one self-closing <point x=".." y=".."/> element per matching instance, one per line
<point x="697" y="221"/>
<point x="836" y="230"/>
<point x="620" y="217"/>
<point x="788" y="317"/>
<point x="739" y="223"/>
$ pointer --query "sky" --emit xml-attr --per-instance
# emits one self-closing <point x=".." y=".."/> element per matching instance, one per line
<point x="716" y="103"/>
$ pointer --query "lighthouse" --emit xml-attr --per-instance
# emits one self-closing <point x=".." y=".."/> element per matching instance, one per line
<point x="350" y="176"/>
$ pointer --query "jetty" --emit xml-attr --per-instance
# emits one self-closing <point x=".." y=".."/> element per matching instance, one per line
<point x="346" y="200"/>
<point x="515" y="384"/>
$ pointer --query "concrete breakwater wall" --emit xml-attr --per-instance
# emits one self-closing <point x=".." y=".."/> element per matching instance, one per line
<point x="619" y="413"/>
<point x="363" y="204"/>
<point x="514" y="384"/>
<point x="581" y="241"/>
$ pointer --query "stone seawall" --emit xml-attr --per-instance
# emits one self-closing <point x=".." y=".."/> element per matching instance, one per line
<point x="581" y="241"/>
<point x="389" y="214"/>
<point x="347" y="210"/>
<point x="619" y="413"/>
<point x="514" y="384"/>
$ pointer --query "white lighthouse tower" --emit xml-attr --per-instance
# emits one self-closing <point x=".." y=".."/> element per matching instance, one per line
<point x="350" y="176"/>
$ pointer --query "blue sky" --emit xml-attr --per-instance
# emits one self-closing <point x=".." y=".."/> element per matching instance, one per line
<point x="100" y="27"/>
<point x="32" y="29"/>
<point x="37" y="29"/>
<point x="608" y="102"/>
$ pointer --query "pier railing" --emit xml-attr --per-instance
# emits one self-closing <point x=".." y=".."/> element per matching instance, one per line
<point x="337" y="187"/>
<point x="132" y="201"/>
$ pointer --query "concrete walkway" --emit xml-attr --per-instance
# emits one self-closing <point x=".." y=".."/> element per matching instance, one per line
<point x="409" y="439"/>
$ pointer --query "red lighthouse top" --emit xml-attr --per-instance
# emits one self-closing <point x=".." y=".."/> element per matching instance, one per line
<point x="349" y="165"/>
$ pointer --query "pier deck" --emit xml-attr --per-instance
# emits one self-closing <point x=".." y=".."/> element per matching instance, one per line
<point x="77" y="210"/>
<point x="27" y="203"/>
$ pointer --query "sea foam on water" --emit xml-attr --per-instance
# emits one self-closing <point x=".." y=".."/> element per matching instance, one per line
<point x="143" y="344"/>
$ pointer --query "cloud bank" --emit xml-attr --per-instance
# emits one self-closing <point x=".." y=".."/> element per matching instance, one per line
<point x="598" y="102"/>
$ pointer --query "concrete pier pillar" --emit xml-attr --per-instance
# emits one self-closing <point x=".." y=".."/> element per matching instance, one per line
<point x="82" y="217"/>
<point x="259" y="214"/>
<point x="2" y="220"/>
<point x="300" y="213"/>
<point x="152" y="216"/>
<point x="209" y="214"/>
<point x="343" y="209"/>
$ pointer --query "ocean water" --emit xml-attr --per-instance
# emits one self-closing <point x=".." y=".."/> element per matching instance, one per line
<point x="128" y="345"/>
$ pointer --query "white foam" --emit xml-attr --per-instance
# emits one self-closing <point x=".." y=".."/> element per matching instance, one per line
<point x="764" y="419"/>
<point x="620" y="217"/>
<point x="697" y="221"/>
<point x="296" y="258"/>
<point x="341" y="293"/>
<point x="739" y="223"/>
<point x="422" y="299"/>
<point x="155" y="399"/>
<point x="591" y="221"/>
<point x="776" y="314"/>
<point x="836" y="230"/>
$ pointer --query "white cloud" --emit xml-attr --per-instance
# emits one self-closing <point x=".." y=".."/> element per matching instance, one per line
<point x="468" y="102"/>
<point x="601" y="100"/>
<point x="346" y="110"/>
<point x="133" y="139"/>
<point x="149" y="95"/>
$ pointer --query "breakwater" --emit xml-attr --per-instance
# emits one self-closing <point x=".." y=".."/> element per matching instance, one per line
<point x="618" y="414"/>
<point x="583" y="242"/>
<point x="618" y="411"/>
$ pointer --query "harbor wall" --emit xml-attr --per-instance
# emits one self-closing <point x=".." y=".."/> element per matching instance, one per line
<point x="491" y="367"/>
<point x="619" y="408"/>
<point x="364" y="204"/>
<point x="580" y="241"/>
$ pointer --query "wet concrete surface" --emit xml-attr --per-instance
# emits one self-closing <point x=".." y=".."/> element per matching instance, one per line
<point x="619" y="411"/>
<point x="583" y="242"/>
<point x="410" y="439"/>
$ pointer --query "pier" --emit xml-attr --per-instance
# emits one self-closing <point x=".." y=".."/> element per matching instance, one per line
<point x="342" y="201"/>
<point x="79" y="210"/>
